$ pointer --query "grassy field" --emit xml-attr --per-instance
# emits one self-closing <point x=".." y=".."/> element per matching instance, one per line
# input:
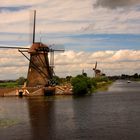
<point x="103" y="86"/>
<point x="8" y="84"/>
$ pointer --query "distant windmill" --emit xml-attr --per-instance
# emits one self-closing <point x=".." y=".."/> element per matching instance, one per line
<point x="97" y="71"/>
<point x="40" y="71"/>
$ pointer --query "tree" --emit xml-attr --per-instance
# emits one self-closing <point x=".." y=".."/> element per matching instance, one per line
<point x="81" y="85"/>
<point x="85" y="74"/>
<point x="21" y="80"/>
<point x="136" y="75"/>
<point x="68" y="78"/>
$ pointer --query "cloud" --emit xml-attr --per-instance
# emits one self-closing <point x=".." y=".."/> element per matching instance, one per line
<point x="21" y="2"/>
<point x="113" y="4"/>
<point x="13" y="64"/>
<point x="110" y="62"/>
<point x="68" y="17"/>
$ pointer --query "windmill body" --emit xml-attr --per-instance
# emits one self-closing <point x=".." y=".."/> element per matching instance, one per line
<point x="39" y="71"/>
<point x="97" y="71"/>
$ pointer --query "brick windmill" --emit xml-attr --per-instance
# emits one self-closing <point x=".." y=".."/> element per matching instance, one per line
<point x="96" y="71"/>
<point x="40" y="71"/>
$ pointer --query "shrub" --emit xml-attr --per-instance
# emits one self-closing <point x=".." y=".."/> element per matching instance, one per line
<point x="21" y="80"/>
<point x="101" y="79"/>
<point x="81" y="84"/>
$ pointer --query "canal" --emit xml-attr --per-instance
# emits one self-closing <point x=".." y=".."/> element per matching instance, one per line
<point x="105" y="115"/>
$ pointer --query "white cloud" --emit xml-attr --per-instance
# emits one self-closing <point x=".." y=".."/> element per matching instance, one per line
<point x="14" y="3"/>
<point x="69" y="16"/>
<point x="110" y="62"/>
<point x="13" y="64"/>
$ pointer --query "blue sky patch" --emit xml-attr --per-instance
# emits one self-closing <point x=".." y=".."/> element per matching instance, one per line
<point x="82" y="42"/>
<point x="13" y="9"/>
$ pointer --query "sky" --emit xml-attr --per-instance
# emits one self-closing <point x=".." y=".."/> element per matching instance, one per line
<point x="106" y="31"/>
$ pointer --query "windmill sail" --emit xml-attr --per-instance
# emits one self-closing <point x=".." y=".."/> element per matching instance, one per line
<point x="95" y="65"/>
<point x="34" y="26"/>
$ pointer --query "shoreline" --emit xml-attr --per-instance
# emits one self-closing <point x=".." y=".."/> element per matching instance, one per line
<point x="33" y="91"/>
<point x="41" y="91"/>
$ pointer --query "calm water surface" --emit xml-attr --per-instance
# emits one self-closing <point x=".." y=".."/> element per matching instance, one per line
<point x="110" y="115"/>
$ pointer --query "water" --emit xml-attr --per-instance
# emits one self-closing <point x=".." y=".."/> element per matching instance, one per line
<point x="109" y="115"/>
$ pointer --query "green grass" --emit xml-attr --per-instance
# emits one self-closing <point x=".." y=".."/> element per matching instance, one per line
<point x="8" y="84"/>
<point x="103" y="86"/>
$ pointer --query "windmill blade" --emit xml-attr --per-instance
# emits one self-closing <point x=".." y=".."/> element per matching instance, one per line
<point x="34" y="26"/>
<point x="52" y="58"/>
<point x="95" y="65"/>
<point x="12" y="47"/>
<point x="57" y="47"/>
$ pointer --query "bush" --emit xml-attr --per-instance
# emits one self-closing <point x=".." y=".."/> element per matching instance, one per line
<point x="55" y="80"/>
<point x="21" y="80"/>
<point x="81" y="85"/>
<point x="101" y="79"/>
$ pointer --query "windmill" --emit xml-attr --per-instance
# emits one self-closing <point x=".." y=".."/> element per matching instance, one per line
<point x="97" y="71"/>
<point x="40" y="71"/>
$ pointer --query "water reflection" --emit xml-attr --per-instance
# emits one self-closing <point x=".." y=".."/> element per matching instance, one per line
<point x="42" y="117"/>
<point x="52" y="117"/>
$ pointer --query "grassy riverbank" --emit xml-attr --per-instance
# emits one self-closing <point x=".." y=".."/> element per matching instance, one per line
<point x="103" y="86"/>
<point x="8" y="84"/>
<point x="12" y="83"/>
<point x="79" y="85"/>
<point x="87" y="85"/>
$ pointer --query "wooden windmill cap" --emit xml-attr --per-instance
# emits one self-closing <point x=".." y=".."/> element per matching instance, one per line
<point x="37" y="46"/>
